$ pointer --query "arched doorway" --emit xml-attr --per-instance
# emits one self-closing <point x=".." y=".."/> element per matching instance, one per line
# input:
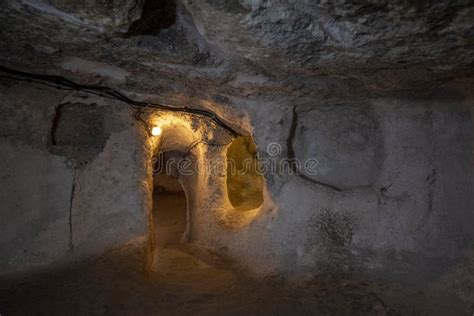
<point x="172" y="183"/>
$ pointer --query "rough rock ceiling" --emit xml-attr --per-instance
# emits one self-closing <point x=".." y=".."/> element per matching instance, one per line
<point x="212" y="48"/>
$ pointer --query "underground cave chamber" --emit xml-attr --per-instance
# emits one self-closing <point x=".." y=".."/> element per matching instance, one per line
<point x="213" y="157"/>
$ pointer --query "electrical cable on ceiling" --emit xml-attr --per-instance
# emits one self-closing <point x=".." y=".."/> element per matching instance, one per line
<point x="63" y="83"/>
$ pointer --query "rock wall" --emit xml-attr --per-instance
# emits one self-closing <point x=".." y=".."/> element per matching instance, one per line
<point x="392" y="195"/>
<point x="361" y="113"/>
<point x="74" y="177"/>
<point x="388" y="192"/>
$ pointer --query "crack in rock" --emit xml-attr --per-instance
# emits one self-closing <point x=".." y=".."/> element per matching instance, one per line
<point x="292" y="157"/>
<point x="71" y="200"/>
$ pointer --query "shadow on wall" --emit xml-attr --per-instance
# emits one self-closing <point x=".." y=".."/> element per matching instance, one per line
<point x="156" y="15"/>
<point x="166" y="174"/>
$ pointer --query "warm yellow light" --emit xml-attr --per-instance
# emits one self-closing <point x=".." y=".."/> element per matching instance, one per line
<point x="156" y="131"/>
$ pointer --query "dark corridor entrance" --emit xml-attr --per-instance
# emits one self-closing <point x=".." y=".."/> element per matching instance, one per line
<point x="169" y="205"/>
<point x="169" y="215"/>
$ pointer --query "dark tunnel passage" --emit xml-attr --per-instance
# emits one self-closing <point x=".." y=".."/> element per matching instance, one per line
<point x="169" y="201"/>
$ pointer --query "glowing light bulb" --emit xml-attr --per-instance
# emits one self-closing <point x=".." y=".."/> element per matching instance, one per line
<point x="156" y="131"/>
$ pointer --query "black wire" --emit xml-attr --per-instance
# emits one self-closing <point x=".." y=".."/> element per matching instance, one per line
<point x="35" y="81"/>
<point x="60" y="82"/>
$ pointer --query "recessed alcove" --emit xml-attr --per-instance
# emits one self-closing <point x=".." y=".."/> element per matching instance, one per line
<point x="244" y="182"/>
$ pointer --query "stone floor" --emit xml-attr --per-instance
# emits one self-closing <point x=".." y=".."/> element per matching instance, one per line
<point x="190" y="281"/>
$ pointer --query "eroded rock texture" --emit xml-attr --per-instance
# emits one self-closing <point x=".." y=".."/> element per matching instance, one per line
<point x="112" y="14"/>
